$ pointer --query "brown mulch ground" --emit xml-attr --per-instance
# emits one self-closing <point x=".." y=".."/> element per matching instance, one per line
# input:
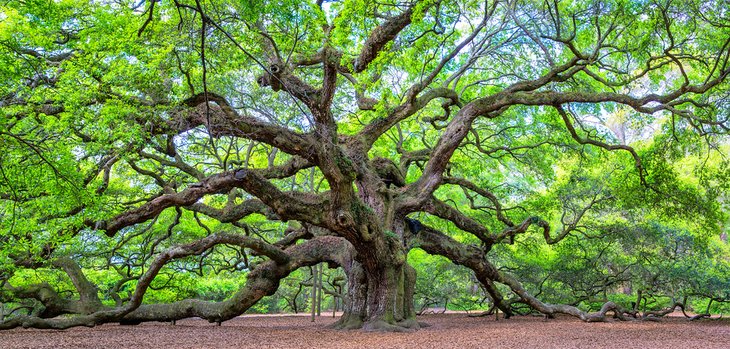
<point x="446" y="331"/>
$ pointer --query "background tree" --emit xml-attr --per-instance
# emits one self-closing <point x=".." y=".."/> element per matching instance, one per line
<point x="149" y="142"/>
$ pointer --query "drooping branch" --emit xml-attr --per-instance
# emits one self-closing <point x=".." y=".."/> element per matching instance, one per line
<point x="581" y="140"/>
<point x="438" y="243"/>
<point x="550" y="309"/>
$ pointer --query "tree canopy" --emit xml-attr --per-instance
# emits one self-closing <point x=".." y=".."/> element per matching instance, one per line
<point x="167" y="159"/>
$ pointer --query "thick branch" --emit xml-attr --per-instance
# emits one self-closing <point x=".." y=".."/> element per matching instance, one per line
<point x="458" y="128"/>
<point x="442" y="210"/>
<point x="262" y="281"/>
<point x="436" y="242"/>
<point x="226" y="121"/>
<point x="379" y="37"/>
<point x="88" y="292"/>
<point x="234" y="213"/>
<point x="377" y="128"/>
<point x="285" y="205"/>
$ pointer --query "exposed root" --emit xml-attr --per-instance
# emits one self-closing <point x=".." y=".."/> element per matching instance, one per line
<point x="354" y="323"/>
<point x="382" y="326"/>
<point x="410" y="323"/>
<point x="347" y="323"/>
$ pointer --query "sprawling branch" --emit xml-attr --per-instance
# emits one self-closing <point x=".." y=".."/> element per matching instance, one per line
<point x="261" y="281"/>
<point x="226" y="121"/>
<point x="377" y="128"/>
<point x="284" y="204"/>
<point x="523" y="94"/>
<point x="436" y="242"/>
<point x="461" y="124"/>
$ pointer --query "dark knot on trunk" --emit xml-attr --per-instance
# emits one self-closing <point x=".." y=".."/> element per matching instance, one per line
<point x="344" y="219"/>
<point x="388" y="172"/>
<point x="414" y="225"/>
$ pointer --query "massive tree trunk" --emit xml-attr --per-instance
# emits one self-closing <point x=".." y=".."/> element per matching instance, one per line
<point x="380" y="293"/>
<point x="380" y="281"/>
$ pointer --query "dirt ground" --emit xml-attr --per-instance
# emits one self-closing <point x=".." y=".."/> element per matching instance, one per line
<point x="446" y="331"/>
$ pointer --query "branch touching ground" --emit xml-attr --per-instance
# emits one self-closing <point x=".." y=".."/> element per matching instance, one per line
<point x="438" y="243"/>
<point x="261" y="281"/>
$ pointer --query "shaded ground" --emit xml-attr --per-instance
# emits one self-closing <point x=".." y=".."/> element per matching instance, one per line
<point x="446" y="331"/>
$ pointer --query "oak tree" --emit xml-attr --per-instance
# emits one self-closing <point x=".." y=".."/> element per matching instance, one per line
<point x="146" y="140"/>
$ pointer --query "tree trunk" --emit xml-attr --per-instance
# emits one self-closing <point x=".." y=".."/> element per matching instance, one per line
<point x="319" y="288"/>
<point x="380" y="294"/>
<point x="313" y="304"/>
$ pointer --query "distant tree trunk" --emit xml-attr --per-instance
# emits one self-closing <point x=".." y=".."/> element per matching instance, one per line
<point x="319" y="288"/>
<point x="314" y="291"/>
<point x="334" y="306"/>
<point x="636" y="305"/>
<point x="293" y="302"/>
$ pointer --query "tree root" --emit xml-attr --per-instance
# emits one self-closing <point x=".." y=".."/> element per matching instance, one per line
<point x="347" y="323"/>
<point x="383" y="326"/>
